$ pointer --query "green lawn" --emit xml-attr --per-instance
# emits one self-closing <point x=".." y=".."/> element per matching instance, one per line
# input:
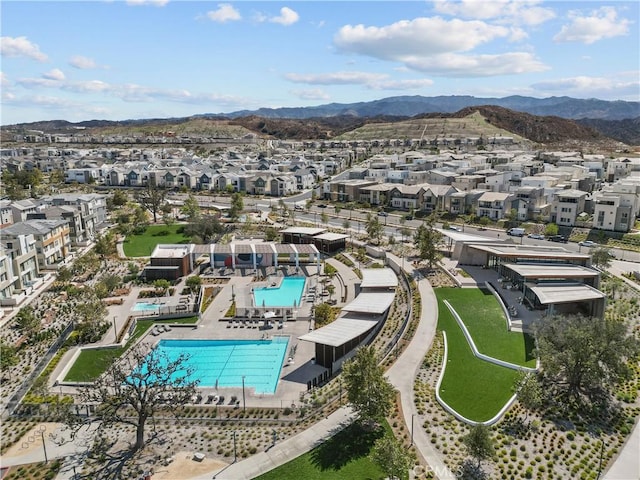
<point x="92" y="363"/>
<point x="485" y="320"/>
<point x="474" y="388"/>
<point x="143" y="245"/>
<point x="343" y="456"/>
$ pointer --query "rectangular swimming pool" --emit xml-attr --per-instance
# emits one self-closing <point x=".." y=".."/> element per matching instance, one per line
<point x="286" y="295"/>
<point x="146" y="307"/>
<point x="223" y="363"/>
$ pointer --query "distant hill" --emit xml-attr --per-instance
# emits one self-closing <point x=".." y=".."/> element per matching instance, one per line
<point x="409" y="106"/>
<point x="559" y="121"/>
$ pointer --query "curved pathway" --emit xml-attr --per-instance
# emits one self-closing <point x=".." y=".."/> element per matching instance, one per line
<point x="404" y="370"/>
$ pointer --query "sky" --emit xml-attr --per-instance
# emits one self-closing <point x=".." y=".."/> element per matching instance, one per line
<point x="134" y="59"/>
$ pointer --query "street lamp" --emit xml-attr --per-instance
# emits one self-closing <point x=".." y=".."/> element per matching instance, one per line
<point x="115" y="329"/>
<point x="244" y="406"/>
<point x="412" y="417"/>
<point x="235" y="456"/>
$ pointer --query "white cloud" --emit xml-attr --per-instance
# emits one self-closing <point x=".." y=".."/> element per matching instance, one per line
<point x="314" y="94"/>
<point x="55" y="74"/>
<point x="455" y="65"/>
<point x="154" y="3"/>
<point x="598" y="25"/>
<point x="83" y="63"/>
<point x="435" y="46"/>
<point x="4" y="81"/>
<point x="225" y="13"/>
<point x="402" y="84"/>
<point x="624" y="85"/>
<point x="287" y="17"/>
<point x="21" y="47"/>
<point x="518" y="12"/>
<point x="419" y="37"/>
<point x="91" y="86"/>
<point x="373" y="81"/>
<point x="336" y="78"/>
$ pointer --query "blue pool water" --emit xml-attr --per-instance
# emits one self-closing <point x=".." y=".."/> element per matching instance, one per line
<point x="226" y="361"/>
<point x="146" y="307"/>
<point x="289" y="291"/>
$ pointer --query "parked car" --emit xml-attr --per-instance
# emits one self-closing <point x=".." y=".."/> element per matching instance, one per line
<point x="322" y="205"/>
<point x="298" y="207"/>
<point x="383" y="214"/>
<point x="587" y="243"/>
<point x="516" y="232"/>
<point x="557" y="238"/>
<point x="455" y="228"/>
<point x="536" y="236"/>
<point x="408" y="217"/>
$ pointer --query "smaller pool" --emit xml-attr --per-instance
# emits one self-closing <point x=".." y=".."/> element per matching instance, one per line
<point x="288" y="294"/>
<point x="146" y="307"/>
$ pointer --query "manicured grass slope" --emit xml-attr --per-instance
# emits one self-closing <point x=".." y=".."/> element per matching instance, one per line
<point x="487" y="325"/>
<point x="92" y="363"/>
<point x="343" y="456"/>
<point x="474" y="388"/>
<point x="143" y="245"/>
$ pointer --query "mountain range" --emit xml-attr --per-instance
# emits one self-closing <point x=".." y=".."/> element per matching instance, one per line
<point x="553" y="120"/>
<point x="409" y="106"/>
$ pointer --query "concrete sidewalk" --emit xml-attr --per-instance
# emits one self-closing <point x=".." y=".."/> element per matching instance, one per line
<point x="402" y="373"/>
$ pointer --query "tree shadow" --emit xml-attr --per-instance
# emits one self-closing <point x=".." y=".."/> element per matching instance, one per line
<point x="470" y="470"/>
<point x="350" y="444"/>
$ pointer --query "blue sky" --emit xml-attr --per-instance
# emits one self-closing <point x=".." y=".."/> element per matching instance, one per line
<point x="116" y="60"/>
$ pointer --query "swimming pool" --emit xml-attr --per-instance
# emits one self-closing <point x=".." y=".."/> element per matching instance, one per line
<point x="146" y="307"/>
<point x="223" y="363"/>
<point x="288" y="293"/>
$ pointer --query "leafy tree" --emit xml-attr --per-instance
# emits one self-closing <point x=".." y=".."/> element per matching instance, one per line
<point x="479" y="443"/>
<point x="337" y="209"/>
<point x="391" y="456"/>
<point x="151" y="198"/>
<point x="369" y="392"/>
<point x="346" y="224"/>
<point x="331" y="289"/>
<point x="27" y="321"/>
<point x="528" y="391"/>
<point x="194" y="282"/>
<point x="601" y="257"/>
<point x="191" y="209"/>
<point x="271" y="234"/>
<point x="136" y="387"/>
<point x="161" y="285"/>
<point x="64" y="275"/>
<point x="8" y="355"/>
<point x="322" y="314"/>
<point x="582" y="357"/>
<point x="324" y="218"/>
<point x="551" y="229"/>
<point x="427" y="239"/>
<point x="119" y="198"/>
<point x="89" y="316"/>
<point x="374" y="228"/>
<point x="237" y="205"/>
<point x="106" y="244"/>
<point x="18" y="184"/>
<point x="204" y="228"/>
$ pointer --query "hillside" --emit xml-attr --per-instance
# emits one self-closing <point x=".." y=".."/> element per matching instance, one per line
<point x="409" y="106"/>
<point x="484" y="120"/>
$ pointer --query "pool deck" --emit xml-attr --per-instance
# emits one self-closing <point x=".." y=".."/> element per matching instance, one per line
<point x="213" y="326"/>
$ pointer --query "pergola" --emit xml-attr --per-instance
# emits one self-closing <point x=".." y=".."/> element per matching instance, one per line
<point x="254" y="249"/>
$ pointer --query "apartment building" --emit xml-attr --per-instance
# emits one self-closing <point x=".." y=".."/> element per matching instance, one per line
<point x="52" y="240"/>
<point x="18" y="267"/>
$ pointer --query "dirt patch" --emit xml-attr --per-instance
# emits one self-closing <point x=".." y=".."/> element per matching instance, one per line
<point x="184" y="465"/>
<point x="32" y="440"/>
